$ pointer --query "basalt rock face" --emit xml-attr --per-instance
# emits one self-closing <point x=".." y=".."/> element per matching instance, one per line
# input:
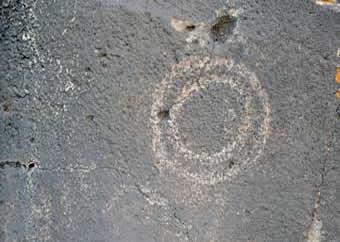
<point x="169" y="121"/>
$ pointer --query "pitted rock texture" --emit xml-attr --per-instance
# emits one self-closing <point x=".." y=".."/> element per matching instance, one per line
<point x="77" y="84"/>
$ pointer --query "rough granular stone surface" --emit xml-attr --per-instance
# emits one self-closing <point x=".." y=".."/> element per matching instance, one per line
<point x="169" y="121"/>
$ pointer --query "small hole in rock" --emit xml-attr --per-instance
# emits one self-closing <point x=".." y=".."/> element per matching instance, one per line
<point x="7" y="107"/>
<point x="103" y="54"/>
<point x="190" y="27"/>
<point x="164" y="114"/>
<point x="32" y="140"/>
<point x="247" y="211"/>
<point x="231" y="164"/>
<point x="30" y="166"/>
<point x="90" y="117"/>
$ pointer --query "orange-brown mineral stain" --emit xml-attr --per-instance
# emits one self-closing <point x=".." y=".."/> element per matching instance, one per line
<point x="325" y="2"/>
<point x="337" y="77"/>
<point x="328" y="1"/>
<point x="338" y="94"/>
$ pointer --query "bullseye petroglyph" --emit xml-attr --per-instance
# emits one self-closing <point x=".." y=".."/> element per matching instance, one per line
<point x="245" y="119"/>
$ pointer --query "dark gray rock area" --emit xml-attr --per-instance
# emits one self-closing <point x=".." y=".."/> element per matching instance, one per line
<point x="169" y="120"/>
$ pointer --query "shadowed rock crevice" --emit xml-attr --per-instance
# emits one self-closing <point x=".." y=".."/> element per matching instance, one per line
<point x="223" y="26"/>
<point x="18" y="164"/>
<point x="314" y="231"/>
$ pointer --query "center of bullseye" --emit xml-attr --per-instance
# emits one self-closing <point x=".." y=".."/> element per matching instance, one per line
<point x="209" y="119"/>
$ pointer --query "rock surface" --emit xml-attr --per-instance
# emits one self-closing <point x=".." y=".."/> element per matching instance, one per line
<point x="169" y="121"/>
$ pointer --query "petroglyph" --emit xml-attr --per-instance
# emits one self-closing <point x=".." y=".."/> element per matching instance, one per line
<point x="246" y="119"/>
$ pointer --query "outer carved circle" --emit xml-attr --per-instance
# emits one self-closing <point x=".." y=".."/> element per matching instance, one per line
<point x="248" y="112"/>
